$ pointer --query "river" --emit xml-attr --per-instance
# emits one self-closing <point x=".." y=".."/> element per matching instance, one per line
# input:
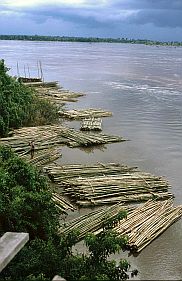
<point x="142" y="86"/>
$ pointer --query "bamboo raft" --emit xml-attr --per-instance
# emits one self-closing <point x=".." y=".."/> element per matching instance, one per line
<point x="147" y="222"/>
<point x="93" y="221"/>
<point x="62" y="203"/>
<point x="54" y="135"/>
<point x="102" y="184"/>
<point x="52" y="84"/>
<point x="91" y="124"/>
<point x="84" y="113"/>
<point x="60" y="173"/>
<point x="75" y="138"/>
<point x="29" y="79"/>
<point x="21" y="146"/>
<point x="142" y="225"/>
<point x="42" y="157"/>
<point x="58" y="96"/>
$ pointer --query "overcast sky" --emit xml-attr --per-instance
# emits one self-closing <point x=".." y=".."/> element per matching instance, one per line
<point x="146" y="19"/>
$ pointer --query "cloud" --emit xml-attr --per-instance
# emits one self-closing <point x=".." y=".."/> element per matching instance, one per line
<point x="91" y="13"/>
<point x="148" y="4"/>
<point x="88" y="17"/>
<point x="88" y="12"/>
<point x="66" y="3"/>
<point x="161" y="13"/>
<point x="164" y="18"/>
<point x="107" y="16"/>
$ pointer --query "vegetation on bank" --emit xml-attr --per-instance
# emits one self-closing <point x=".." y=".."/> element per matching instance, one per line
<point x="88" y="39"/>
<point x="19" y="105"/>
<point x="26" y="205"/>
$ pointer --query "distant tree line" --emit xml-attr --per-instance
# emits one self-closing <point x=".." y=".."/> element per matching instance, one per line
<point x="87" y="39"/>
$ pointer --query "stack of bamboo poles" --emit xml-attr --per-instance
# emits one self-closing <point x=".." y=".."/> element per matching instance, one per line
<point x="42" y="157"/>
<point x="54" y="135"/>
<point x="62" y="203"/>
<point x="45" y="130"/>
<point x="98" y="185"/>
<point x="20" y="143"/>
<point x="84" y="113"/>
<point x="59" y="96"/>
<point x="61" y="173"/>
<point x="93" y="221"/>
<point x="29" y="79"/>
<point x="52" y="84"/>
<point x="142" y="224"/>
<point x="91" y="124"/>
<point x="76" y="138"/>
<point x="147" y="222"/>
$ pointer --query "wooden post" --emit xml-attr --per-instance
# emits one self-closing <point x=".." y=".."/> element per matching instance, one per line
<point x="25" y="72"/>
<point x="39" y="76"/>
<point x="41" y="71"/>
<point x="28" y="70"/>
<point x="18" y="72"/>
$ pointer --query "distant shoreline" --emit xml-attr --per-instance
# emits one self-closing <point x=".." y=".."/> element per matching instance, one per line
<point x="88" y="39"/>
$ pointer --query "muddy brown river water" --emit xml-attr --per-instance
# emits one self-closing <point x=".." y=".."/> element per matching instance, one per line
<point x="142" y="86"/>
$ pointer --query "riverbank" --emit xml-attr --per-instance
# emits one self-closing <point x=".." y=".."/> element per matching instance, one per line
<point x="86" y="186"/>
<point x="145" y="102"/>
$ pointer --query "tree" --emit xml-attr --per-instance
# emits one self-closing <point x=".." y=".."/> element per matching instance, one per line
<point x="26" y="205"/>
<point x="19" y="105"/>
<point x="25" y="198"/>
<point x="95" y="265"/>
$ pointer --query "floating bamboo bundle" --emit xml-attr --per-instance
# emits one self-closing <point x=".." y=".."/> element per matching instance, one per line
<point x="60" y="173"/>
<point x="125" y="199"/>
<point x="84" y="113"/>
<point x="76" y="138"/>
<point x="147" y="222"/>
<point x="93" y="221"/>
<point x="54" y="135"/>
<point x="59" y="96"/>
<point x="107" y="184"/>
<point x="62" y="203"/>
<point x="29" y="79"/>
<point x="20" y="144"/>
<point x="42" y="157"/>
<point x="45" y="131"/>
<point x="142" y="224"/>
<point x="91" y="124"/>
<point x="53" y="84"/>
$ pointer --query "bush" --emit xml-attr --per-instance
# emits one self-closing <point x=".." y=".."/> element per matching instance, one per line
<point x="25" y="198"/>
<point x="19" y="105"/>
